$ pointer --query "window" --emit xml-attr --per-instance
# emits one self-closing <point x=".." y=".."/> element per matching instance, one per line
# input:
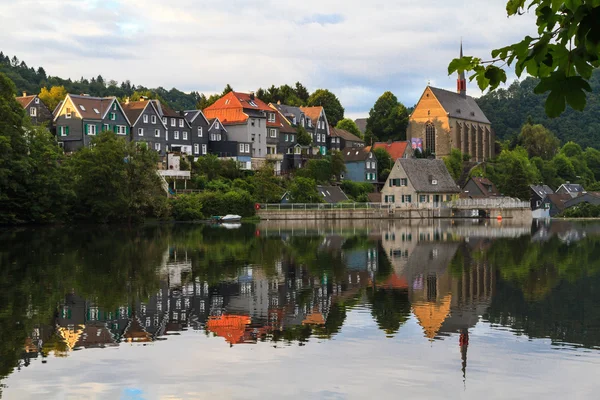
<point x="241" y="147"/>
<point x="140" y="131"/>
<point x="157" y="133"/>
<point x="37" y="100"/>
<point x="290" y="150"/>
<point x="106" y="127"/>
<point x="176" y="135"/>
<point x="422" y="198"/>
<point x="157" y="146"/>
<point x="200" y="132"/>
<point x="310" y="123"/>
<point x="63" y="130"/>
<point x="252" y="122"/>
<point x="115" y="106"/>
<point x="33" y="112"/>
<point x="271" y="117"/>
<point x="430" y="138"/>
<point x="204" y="149"/>
<point x="252" y="103"/>
<point x="292" y="138"/>
<point x="113" y="116"/>
<point x="68" y="114"/>
<point x="173" y="122"/>
<point x="165" y="120"/>
<point x="96" y="111"/>
<point x="82" y="107"/>
<point x="403" y="182"/>
<point x="390" y="199"/>
<point x="287" y="137"/>
<point x="448" y="197"/>
<point x="181" y="123"/>
<point x="217" y="125"/>
<point x="122" y="130"/>
<point x="273" y="132"/>
<point x="91" y="129"/>
<point x="408" y="198"/>
<point x="145" y="119"/>
<point x="153" y="119"/>
<point x="185" y="136"/>
<point x="297" y="150"/>
<point x="247" y="147"/>
<point x="196" y="148"/>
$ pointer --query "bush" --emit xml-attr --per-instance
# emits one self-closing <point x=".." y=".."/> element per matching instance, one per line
<point x="187" y="207"/>
<point x="584" y="210"/>
<point x="356" y="190"/>
<point x="237" y="202"/>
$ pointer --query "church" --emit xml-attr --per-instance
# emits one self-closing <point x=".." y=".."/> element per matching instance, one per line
<point x="443" y="120"/>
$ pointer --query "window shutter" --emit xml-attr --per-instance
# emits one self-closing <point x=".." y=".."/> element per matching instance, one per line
<point x="126" y="130"/>
<point x="98" y="128"/>
<point x="66" y="130"/>
<point x="87" y="131"/>
<point x="115" y="129"/>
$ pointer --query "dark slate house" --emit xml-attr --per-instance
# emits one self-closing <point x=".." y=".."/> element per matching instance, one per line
<point x="329" y="194"/>
<point x="35" y="109"/>
<point x="341" y="139"/>
<point x="317" y="126"/>
<point x="146" y="124"/>
<point x="538" y="193"/>
<point x="555" y="203"/>
<point x="80" y="118"/>
<point x="590" y="198"/>
<point x="199" y="136"/>
<point x="361" y="165"/>
<point x="479" y="188"/>
<point x="178" y="129"/>
<point x="572" y="189"/>
<point x="220" y="145"/>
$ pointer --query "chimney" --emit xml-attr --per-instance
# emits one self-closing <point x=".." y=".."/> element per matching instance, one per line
<point x="24" y="94"/>
<point x="143" y="98"/>
<point x="251" y="95"/>
<point x="278" y="102"/>
<point x="461" y="82"/>
<point x="127" y="100"/>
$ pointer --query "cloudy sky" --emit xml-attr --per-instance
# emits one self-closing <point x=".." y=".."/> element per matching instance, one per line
<point x="356" y="48"/>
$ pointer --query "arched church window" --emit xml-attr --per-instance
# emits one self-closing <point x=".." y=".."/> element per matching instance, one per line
<point x="430" y="138"/>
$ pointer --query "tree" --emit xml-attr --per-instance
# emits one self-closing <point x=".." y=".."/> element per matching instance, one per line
<point x="304" y="190"/>
<point x="454" y="163"/>
<point x="384" y="163"/>
<point x="563" y="54"/>
<point x="388" y="119"/>
<point x="304" y="138"/>
<point x="538" y="141"/>
<point x="338" y="165"/>
<point x="301" y="92"/>
<point x="572" y="150"/>
<point x="564" y="168"/>
<point x="267" y="188"/>
<point x="350" y="126"/>
<point x="592" y="159"/>
<point x="331" y="104"/>
<point x="208" y="165"/>
<point x="52" y="97"/>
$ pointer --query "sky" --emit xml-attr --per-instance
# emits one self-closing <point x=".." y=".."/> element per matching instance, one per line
<point x="357" y="49"/>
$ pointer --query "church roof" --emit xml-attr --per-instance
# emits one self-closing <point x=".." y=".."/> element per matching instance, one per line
<point x="460" y="107"/>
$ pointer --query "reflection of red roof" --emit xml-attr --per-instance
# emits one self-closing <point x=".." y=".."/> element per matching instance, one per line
<point x="395" y="149"/>
<point x="230" y="108"/>
<point x="395" y="282"/>
<point x="314" y="318"/>
<point x="229" y="327"/>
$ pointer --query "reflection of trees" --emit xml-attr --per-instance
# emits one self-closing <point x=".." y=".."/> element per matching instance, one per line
<point x="390" y="308"/>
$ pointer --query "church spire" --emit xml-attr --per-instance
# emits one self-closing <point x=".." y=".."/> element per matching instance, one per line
<point x="461" y="82"/>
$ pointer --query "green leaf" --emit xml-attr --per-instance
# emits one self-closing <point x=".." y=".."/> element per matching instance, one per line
<point x="461" y="65"/>
<point x="576" y="99"/>
<point x="555" y="104"/>
<point x="495" y="76"/>
<point x="513" y="6"/>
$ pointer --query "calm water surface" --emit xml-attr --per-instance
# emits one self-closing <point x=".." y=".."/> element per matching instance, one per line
<point x="345" y="310"/>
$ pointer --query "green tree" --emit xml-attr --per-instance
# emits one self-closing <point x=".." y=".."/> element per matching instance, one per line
<point x="319" y="170"/>
<point x="454" y="163"/>
<point x="384" y="163"/>
<point x="388" y="119"/>
<point x="304" y="138"/>
<point x="208" y="165"/>
<point x="563" y="54"/>
<point x="350" y="126"/>
<point x="186" y="207"/>
<point x="267" y="187"/>
<point x="304" y="190"/>
<point x="539" y="141"/>
<point x="338" y="165"/>
<point x="572" y="150"/>
<point x="331" y="104"/>
<point x="564" y="168"/>
<point x="592" y="160"/>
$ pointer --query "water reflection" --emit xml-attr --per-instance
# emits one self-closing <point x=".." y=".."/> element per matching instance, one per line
<point x="287" y="283"/>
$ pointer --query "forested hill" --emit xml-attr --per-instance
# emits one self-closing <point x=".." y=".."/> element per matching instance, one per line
<point x="508" y="109"/>
<point x="31" y="80"/>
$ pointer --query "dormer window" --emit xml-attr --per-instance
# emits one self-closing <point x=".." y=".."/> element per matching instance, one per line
<point x="37" y="100"/>
<point x="68" y="113"/>
<point x="271" y="117"/>
<point x="217" y="125"/>
<point x="96" y="111"/>
<point x="252" y="103"/>
<point x="226" y="101"/>
<point x="82" y="107"/>
<point x="294" y="120"/>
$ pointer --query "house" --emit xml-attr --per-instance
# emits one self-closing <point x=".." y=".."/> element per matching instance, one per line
<point x="443" y="120"/>
<point x="317" y="126"/>
<point x="479" y="188"/>
<point x="290" y="118"/>
<point x="246" y="119"/>
<point x="361" y="123"/>
<point x="554" y="204"/>
<point x="396" y="150"/>
<point x="341" y="139"/>
<point x="329" y="194"/>
<point x="147" y="124"/>
<point x="220" y="145"/>
<point x="572" y="189"/>
<point x="361" y="165"/>
<point x="78" y="119"/>
<point x="592" y="198"/>
<point x="178" y="136"/>
<point x="538" y="193"/>
<point x="199" y="136"/>
<point x="419" y="183"/>
<point x="35" y="108"/>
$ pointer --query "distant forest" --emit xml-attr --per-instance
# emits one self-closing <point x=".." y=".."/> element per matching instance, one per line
<point x="509" y="109"/>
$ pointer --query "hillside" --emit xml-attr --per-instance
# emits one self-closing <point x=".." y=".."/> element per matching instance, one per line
<point x="32" y="80"/>
<point x="508" y="109"/>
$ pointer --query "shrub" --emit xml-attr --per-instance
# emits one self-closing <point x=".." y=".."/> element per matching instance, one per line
<point x="356" y="190"/>
<point x="187" y="207"/>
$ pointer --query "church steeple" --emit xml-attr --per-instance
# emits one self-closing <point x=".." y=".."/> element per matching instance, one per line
<point x="461" y="82"/>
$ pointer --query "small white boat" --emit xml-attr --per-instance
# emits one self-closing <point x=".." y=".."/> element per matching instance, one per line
<point x="231" y="218"/>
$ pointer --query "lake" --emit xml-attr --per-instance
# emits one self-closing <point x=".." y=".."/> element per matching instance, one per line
<point x="297" y="310"/>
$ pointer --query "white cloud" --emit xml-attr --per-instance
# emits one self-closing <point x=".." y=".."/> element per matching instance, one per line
<point x="355" y="48"/>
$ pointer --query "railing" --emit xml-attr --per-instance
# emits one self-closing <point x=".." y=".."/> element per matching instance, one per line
<point x="169" y="173"/>
<point x="323" y="206"/>
<point x="502" y="202"/>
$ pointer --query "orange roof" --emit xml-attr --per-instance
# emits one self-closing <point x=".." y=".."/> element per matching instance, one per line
<point x="25" y="100"/>
<point x="230" y="108"/>
<point x="312" y="112"/>
<point x="230" y="327"/>
<point x="395" y="281"/>
<point x="395" y="149"/>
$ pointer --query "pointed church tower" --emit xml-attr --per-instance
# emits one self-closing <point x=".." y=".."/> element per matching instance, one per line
<point x="461" y="82"/>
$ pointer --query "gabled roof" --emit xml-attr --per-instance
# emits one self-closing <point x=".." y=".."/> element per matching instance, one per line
<point x="58" y="107"/>
<point x="422" y="172"/>
<point x="290" y="112"/>
<point x="192" y="115"/>
<point x="541" y="190"/>
<point x="314" y="113"/>
<point x="336" y="132"/>
<point x="559" y="200"/>
<point x="25" y="100"/>
<point x="211" y="123"/>
<point x="572" y="188"/>
<point x="331" y="194"/>
<point x="351" y="154"/>
<point x="396" y="150"/>
<point x="457" y="106"/>
<point x="483" y="184"/>
<point x="134" y="109"/>
<point x="286" y="126"/>
<point x="235" y="108"/>
<point x="362" y="124"/>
